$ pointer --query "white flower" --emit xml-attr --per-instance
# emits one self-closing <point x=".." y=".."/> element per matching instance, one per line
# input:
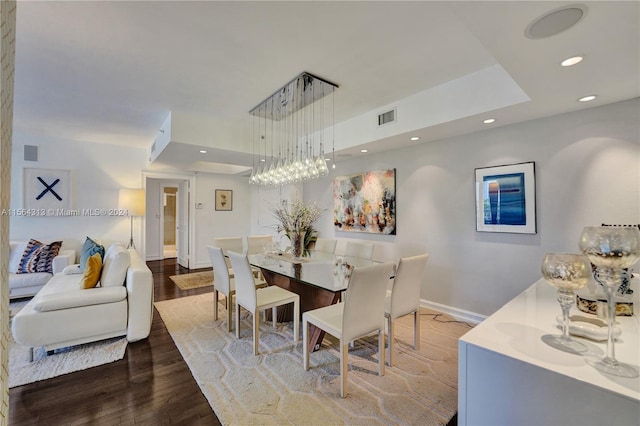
<point x="296" y="216"/>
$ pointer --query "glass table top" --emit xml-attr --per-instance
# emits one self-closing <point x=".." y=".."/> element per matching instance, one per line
<point x="323" y="270"/>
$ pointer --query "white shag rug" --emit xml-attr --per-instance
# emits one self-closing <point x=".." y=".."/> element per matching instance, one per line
<point x="63" y="361"/>
<point x="273" y="388"/>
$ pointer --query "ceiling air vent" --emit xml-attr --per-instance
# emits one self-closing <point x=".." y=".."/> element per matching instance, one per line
<point x="387" y="117"/>
<point x="153" y="147"/>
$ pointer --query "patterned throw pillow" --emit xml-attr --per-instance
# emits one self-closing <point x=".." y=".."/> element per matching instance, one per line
<point x="92" y="272"/>
<point x="38" y="257"/>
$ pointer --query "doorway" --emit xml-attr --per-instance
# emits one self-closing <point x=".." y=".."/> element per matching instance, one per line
<point x="169" y="211"/>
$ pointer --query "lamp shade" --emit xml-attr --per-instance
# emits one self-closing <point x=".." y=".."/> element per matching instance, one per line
<point x="132" y="200"/>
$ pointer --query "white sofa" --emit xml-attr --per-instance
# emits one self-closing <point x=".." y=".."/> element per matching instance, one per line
<point x="62" y="314"/>
<point x="26" y="285"/>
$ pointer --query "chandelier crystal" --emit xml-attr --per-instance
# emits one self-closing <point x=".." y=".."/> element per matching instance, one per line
<point x="290" y="131"/>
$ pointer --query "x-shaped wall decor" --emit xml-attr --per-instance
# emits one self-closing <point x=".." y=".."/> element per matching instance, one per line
<point x="48" y="188"/>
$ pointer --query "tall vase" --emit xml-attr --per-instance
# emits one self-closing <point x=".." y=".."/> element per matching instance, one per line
<point x="297" y="244"/>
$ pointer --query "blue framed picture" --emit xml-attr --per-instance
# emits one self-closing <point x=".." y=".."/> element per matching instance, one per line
<point x="506" y="199"/>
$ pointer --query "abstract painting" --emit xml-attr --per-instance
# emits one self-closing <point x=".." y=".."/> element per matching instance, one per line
<point x="506" y="199"/>
<point x="49" y="191"/>
<point x="365" y="202"/>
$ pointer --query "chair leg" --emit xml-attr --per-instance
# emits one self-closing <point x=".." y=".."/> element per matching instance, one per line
<point x="390" y="331"/>
<point x="215" y="305"/>
<point x="30" y="354"/>
<point x="305" y="344"/>
<point x="416" y="329"/>
<point x="229" y="306"/>
<point x="256" y="330"/>
<point x="296" y="320"/>
<point x="237" y="321"/>
<point x="344" y="368"/>
<point x="381" y="352"/>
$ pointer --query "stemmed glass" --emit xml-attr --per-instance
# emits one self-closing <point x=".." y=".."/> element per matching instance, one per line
<point x="611" y="250"/>
<point x="566" y="272"/>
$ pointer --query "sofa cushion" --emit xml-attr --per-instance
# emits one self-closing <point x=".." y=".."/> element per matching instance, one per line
<point x="28" y="280"/>
<point x="38" y="257"/>
<point x="89" y="248"/>
<point x="76" y="298"/>
<point x="115" y="265"/>
<point x="16" y="249"/>
<point x="92" y="272"/>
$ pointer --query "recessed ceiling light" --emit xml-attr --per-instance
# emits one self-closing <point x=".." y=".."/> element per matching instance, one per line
<point x="202" y="151"/>
<point x="415" y="138"/>
<point x="572" y="61"/>
<point x="364" y="150"/>
<point x="263" y="160"/>
<point x="587" y="98"/>
<point x="327" y="159"/>
<point x="489" y="121"/>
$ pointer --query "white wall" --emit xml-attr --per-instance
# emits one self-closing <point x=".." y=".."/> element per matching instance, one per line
<point x="211" y="223"/>
<point x="587" y="173"/>
<point x="100" y="171"/>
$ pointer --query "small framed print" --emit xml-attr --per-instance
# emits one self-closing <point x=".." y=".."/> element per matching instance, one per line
<point x="224" y="199"/>
<point x="506" y="199"/>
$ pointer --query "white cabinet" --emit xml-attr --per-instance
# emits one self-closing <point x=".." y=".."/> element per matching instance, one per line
<point x="508" y="376"/>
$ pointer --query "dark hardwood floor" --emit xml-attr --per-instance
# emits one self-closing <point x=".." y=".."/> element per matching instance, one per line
<point x="150" y="385"/>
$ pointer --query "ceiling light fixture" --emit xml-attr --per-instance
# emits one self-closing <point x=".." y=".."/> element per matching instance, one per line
<point x="489" y="121"/>
<point x="587" y="98"/>
<point x="364" y="151"/>
<point x="202" y="151"/>
<point x="572" y="61"/>
<point x="415" y="138"/>
<point x="291" y="124"/>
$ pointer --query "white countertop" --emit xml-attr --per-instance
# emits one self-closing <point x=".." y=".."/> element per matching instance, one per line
<point x="515" y="331"/>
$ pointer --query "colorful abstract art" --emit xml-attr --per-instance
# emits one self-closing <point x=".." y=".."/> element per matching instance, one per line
<point x="365" y="202"/>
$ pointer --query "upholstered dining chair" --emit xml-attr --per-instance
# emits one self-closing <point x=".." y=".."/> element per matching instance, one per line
<point x="255" y="243"/>
<point x="223" y="283"/>
<point x="356" y="249"/>
<point x="229" y="244"/>
<point x="327" y="245"/>
<point x="361" y="314"/>
<point x="255" y="300"/>
<point x="404" y="298"/>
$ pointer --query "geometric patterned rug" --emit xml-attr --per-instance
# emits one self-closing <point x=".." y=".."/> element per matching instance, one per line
<point x="273" y="388"/>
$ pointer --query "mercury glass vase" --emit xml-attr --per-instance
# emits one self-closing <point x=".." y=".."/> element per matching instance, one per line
<point x="611" y="249"/>
<point x="566" y="272"/>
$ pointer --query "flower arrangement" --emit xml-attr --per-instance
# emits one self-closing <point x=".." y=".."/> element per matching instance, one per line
<point x="296" y="220"/>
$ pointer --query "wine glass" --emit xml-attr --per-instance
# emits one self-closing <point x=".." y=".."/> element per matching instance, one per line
<point x="611" y="250"/>
<point x="566" y="272"/>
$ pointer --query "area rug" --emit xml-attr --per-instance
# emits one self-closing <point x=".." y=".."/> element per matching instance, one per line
<point x="193" y="280"/>
<point x="273" y="388"/>
<point x="63" y="361"/>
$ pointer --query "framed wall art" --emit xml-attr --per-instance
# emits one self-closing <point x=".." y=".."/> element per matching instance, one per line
<point x="48" y="189"/>
<point x="365" y="202"/>
<point x="506" y="198"/>
<point x="224" y="199"/>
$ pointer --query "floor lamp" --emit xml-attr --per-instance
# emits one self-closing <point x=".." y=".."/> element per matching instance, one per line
<point x="133" y="201"/>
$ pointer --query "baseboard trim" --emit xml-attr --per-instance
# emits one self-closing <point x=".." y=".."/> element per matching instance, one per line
<point x="459" y="314"/>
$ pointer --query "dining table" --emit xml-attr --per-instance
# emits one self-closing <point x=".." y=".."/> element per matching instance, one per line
<point x="319" y="279"/>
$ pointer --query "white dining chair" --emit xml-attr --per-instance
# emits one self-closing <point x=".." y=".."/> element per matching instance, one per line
<point x="361" y="314"/>
<point x="356" y="249"/>
<point x="326" y="245"/>
<point x="223" y="283"/>
<point x="229" y="244"/>
<point x="255" y="300"/>
<point x="404" y="298"/>
<point x="255" y="244"/>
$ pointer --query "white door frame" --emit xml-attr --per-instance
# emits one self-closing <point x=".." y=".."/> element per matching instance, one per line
<point x="162" y="187"/>
<point x="146" y="174"/>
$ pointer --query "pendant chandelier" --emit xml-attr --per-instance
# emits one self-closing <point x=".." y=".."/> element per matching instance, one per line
<point x="290" y="132"/>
